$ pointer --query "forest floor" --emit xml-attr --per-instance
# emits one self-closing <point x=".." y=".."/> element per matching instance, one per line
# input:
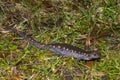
<point x="87" y="24"/>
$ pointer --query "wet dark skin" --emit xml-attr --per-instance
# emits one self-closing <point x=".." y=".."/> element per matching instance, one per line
<point x="61" y="49"/>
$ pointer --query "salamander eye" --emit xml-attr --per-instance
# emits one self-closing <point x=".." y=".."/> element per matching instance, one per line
<point x="95" y="54"/>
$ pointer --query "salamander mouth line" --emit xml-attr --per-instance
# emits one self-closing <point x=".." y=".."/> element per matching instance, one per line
<point x="59" y="48"/>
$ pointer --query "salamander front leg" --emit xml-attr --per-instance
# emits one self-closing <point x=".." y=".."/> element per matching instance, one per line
<point x="79" y="60"/>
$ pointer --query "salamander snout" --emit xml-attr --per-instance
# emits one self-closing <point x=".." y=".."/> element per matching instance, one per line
<point x="95" y="54"/>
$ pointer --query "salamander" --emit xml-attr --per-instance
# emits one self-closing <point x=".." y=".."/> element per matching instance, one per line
<point x="59" y="48"/>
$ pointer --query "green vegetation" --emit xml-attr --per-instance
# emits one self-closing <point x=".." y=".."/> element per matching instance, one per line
<point x="75" y="22"/>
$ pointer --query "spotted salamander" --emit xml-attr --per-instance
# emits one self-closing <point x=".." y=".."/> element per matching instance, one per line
<point x="61" y="49"/>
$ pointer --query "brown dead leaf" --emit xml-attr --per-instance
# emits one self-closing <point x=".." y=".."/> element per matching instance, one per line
<point x="99" y="74"/>
<point x="87" y="46"/>
<point x="47" y="4"/>
<point x="90" y="63"/>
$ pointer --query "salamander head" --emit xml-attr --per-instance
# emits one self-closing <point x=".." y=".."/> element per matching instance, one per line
<point x="89" y="55"/>
<point x="94" y="55"/>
